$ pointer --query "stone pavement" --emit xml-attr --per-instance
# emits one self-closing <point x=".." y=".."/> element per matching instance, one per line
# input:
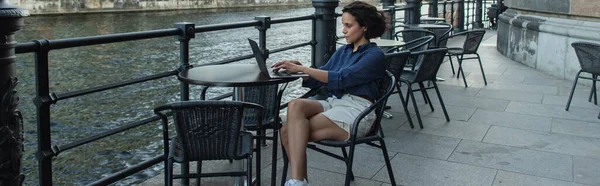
<point x="514" y="131"/>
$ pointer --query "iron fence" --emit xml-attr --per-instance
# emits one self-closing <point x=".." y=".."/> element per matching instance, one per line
<point x="184" y="33"/>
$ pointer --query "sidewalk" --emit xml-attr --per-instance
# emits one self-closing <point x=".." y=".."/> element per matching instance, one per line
<point x="514" y="131"/>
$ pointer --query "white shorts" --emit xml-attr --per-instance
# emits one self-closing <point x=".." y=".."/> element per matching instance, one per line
<point x="343" y="112"/>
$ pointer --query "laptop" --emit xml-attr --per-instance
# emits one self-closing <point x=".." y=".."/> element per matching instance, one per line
<point x="262" y="65"/>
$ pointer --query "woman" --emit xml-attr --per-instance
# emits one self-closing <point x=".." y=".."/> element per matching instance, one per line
<point x="349" y="76"/>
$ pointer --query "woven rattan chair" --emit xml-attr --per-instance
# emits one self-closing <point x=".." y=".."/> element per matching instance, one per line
<point x="269" y="96"/>
<point x="394" y="63"/>
<point x="470" y="47"/>
<point x="376" y="134"/>
<point x="430" y="64"/>
<point x="207" y="130"/>
<point x="588" y="55"/>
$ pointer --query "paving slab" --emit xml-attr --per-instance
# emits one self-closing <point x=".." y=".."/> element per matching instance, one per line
<point x="415" y="170"/>
<point x="580" y="101"/>
<point x="423" y="145"/>
<point x="497" y="77"/>
<point x="510" y="95"/>
<point x="514" y="120"/>
<point x="577" y="128"/>
<point x="473" y="102"/>
<point x="587" y="170"/>
<point x="554" y="111"/>
<point x="505" y="178"/>
<point x="518" y="87"/>
<point x="557" y="143"/>
<point x="453" y="129"/>
<point x="538" y="163"/>
<point x="367" y="161"/>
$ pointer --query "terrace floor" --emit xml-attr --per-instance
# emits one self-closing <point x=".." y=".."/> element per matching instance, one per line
<point x="514" y="131"/>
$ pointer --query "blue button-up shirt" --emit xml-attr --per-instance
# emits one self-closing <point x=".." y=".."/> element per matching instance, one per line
<point x="353" y="72"/>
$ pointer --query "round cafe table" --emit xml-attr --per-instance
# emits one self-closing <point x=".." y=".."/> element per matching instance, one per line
<point x="231" y="75"/>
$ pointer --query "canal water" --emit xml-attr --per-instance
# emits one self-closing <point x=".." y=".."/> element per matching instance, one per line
<point x="85" y="67"/>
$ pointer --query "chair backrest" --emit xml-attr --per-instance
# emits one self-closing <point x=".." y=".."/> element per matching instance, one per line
<point x="441" y="35"/>
<point x="395" y="62"/>
<point x="386" y="89"/>
<point x="472" y="41"/>
<point x="430" y="62"/>
<point x="268" y="96"/>
<point x="208" y="130"/>
<point x="414" y="39"/>
<point x="588" y="55"/>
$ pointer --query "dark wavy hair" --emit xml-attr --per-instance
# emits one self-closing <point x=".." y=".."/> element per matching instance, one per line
<point x="368" y="16"/>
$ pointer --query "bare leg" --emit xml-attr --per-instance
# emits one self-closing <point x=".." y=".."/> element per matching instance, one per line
<point x="299" y="130"/>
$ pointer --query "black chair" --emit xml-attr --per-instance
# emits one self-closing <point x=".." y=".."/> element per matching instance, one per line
<point x="269" y="96"/>
<point x="470" y="47"/>
<point x="441" y="34"/>
<point x="588" y="55"/>
<point x="430" y="64"/>
<point x="207" y="130"/>
<point x="394" y="63"/>
<point x="376" y="134"/>
<point x="416" y="40"/>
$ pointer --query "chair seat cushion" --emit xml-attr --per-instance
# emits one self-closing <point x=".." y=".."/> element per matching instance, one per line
<point x="455" y="51"/>
<point x="245" y="148"/>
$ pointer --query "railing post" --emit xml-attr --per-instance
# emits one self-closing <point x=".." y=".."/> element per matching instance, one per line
<point x="188" y="32"/>
<point x="11" y="120"/>
<point x="413" y="13"/>
<point x="325" y="31"/>
<point x="478" y="14"/>
<point x="461" y="15"/>
<point x="389" y="14"/>
<point x="262" y="33"/>
<point x="433" y="8"/>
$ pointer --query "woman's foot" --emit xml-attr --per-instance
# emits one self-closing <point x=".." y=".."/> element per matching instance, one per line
<point x="293" y="182"/>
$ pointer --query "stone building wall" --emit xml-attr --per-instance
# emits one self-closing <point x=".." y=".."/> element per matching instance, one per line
<point x="84" y="6"/>
<point x="539" y="33"/>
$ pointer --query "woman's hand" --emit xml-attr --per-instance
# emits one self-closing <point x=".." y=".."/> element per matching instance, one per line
<point x="292" y="66"/>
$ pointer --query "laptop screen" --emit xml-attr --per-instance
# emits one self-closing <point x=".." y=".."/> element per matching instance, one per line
<point x="260" y="60"/>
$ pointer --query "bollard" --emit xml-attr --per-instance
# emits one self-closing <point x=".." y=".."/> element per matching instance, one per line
<point x="389" y="12"/>
<point x="478" y="14"/>
<point x="11" y="120"/>
<point x="325" y="31"/>
<point x="433" y="8"/>
<point x="414" y="13"/>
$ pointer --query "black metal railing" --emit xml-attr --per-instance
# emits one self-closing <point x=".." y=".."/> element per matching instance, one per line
<point x="184" y="32"/>
<point x="461" y="14"/>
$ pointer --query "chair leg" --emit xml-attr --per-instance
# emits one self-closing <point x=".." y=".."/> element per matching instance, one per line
<point x="593" y="90"/>
<point x="412" y="96"/>
<point x="572" y="90"/>
<point x="185" y="172"/>
<point x="249" y="171"/>
<point x="169" y="173"/>
<point x="451" y="64"/>
<point x="349" y="175"/>
<point x="346" y="159"/>
<point x="285" y="165"/>
<point x="405" y="105"/>
<point x="198" y="172"/>
<point x="460" y="69"/>
<point x="481" y="66"/>
<point x="274" y="157"/>
<point x="425" y="95"/>
<point x="437" y="90"/>
<point x="386" y="157"/>
<point x="258" y="160"/>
